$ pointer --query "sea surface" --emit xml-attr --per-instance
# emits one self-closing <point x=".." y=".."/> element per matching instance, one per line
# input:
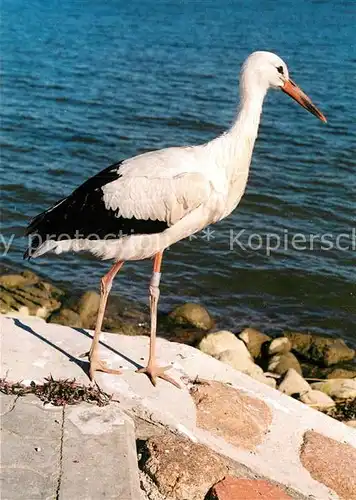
<point x="87" y="83"/>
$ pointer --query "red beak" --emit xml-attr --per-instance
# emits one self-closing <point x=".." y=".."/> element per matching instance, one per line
<point x="298" y="95"/>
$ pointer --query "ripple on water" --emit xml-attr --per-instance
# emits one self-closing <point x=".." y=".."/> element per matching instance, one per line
<point x="83" y="88"/>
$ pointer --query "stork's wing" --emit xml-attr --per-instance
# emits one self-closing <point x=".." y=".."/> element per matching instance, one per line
<point x="142" y="195"/>
<point x="157" y="198"/>
<point x="162" y="185"/>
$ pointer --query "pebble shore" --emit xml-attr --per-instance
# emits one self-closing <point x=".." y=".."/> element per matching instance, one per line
<point x="318" y="371"/>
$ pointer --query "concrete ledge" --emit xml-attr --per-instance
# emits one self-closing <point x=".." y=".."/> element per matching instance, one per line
<point x="84" y="452"/>
<point x="30" y="449"/>
<point x="32" y="350"/>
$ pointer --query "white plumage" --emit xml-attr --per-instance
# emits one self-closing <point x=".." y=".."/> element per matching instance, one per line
<point x="142" y="205"/>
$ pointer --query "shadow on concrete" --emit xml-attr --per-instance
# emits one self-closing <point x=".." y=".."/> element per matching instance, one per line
<point x="84" y="332"/>
<point x="83" y="364"/>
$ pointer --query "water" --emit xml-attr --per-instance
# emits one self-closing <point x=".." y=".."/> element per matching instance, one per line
<point x="88" y="83"/>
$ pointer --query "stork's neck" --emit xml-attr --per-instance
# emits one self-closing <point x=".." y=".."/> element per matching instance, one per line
<point x="249" y="113"/>
<point x="234" y="148"/>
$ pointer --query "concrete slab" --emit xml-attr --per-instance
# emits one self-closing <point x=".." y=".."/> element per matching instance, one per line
<point x="30" y="446"/>
<point x="37" y="350"/>
<point x="88" y="453"/>
<point x="99" y="454"/>
<point x="7" y="403"/>
<point x="82" y="452"/>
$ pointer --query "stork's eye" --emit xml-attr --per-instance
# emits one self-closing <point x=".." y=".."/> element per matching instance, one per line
<point x="280" y="70"/>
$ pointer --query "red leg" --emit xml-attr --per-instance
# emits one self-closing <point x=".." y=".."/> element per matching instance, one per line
<point x="152" y="370"/>
<point x="95" y="362"/>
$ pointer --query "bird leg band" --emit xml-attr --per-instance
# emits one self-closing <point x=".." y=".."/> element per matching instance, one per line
<point x="154" y="284"/>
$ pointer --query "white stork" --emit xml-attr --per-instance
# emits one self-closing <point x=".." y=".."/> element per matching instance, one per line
<point x="138" y="207"/>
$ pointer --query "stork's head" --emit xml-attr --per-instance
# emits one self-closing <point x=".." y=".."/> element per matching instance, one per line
<point x="267" y="70"/>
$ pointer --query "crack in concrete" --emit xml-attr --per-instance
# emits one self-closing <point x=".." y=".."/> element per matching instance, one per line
<point x="12" y="407"/>
<point x="60" y="464"/>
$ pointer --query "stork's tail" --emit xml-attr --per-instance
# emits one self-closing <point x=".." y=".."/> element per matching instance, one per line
<point x="40" y="241"/>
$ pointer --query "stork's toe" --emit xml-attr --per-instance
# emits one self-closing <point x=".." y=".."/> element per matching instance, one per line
<point x="153" y="372"/>
<point x="97" y="365"/>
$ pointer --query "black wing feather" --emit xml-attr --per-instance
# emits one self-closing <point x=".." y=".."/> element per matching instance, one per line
<point x="83" y="214"/>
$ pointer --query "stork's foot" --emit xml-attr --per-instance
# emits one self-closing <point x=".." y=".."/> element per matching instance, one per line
<point x="97" y="365"/>
<point x="153" y="372"/>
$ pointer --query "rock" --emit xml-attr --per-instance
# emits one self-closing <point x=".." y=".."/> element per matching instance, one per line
<point x="240" y="359"/>
<point x="118" y="325"/>
<point x="280" y="363"/>
<point x="301" y="342"/>
<point x="293" y="383"/>
<point x="330" y="462"/>
<point x="215" y="343"/>
<point x="351" y="423"/>
<point x="179" y="468"/>
<point x="88" y="304"/>
<point x="88" y="307"/>
<point x="232" y="488"/>
<point x="342" y="373"/>
<point x="183" y="335"/>
<point x="348" y="370"/>
<point x="227" y="348"/>
<point x="280" y="345"/>
<point x="334" y="352"/>
<point x="270" y="381"/>
<point x="67" y="317"/>
<point x="122" y="317"/>
<point x="313" y="371"/>
<point x="238" y="356"/>
<point x="338" y="388"/>
<point x="254" y="340"/>
<point x="18" y="292"/>
<point x="192" y="314"/>
<point x="240" y="419"/>
<point x="317" y="399"/>
<point x="322" y="350"/>
<point x="23" y="313"/>
<point x="18" y="280"/>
